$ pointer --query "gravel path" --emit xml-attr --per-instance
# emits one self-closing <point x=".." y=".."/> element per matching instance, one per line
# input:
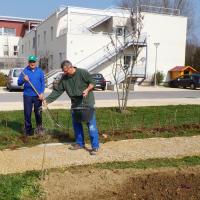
<point x="59" y="155"/>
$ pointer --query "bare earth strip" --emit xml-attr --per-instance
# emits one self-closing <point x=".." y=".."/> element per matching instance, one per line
<point x="59" y="155"/>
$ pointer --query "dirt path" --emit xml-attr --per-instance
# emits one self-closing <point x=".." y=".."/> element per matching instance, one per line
<point x="59" y="155"/>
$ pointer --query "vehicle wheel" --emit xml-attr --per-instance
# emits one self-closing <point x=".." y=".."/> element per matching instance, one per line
<point x="9" y="89"/>
<point x="103" y="88"/>
<point x="192" y="86"/>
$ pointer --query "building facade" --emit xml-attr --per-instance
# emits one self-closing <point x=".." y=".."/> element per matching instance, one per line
<point x="94" y="39"/>
<point x="12" y="30"/>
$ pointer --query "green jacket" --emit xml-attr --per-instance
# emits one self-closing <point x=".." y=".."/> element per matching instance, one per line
<point x="74" y="86"/>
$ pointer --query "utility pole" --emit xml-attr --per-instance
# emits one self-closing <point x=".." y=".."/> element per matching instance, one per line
<point x="156" y="45"/>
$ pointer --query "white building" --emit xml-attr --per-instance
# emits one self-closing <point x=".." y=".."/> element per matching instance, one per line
<point x="86" y="37"/>
<point x="12" y="30"/>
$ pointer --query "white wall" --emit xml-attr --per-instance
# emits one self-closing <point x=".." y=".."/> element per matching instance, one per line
<point x="51" y="46"/>
<point x="170" y="32"/>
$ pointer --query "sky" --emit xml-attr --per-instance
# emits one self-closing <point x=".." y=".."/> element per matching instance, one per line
<point x="41" y="9"/>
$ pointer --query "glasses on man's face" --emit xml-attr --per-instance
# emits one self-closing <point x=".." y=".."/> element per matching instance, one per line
<point x="32" y="62"/>
<point x="66" y="69"/>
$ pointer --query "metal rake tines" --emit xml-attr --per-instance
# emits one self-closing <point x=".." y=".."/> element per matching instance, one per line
<point x="53" y="119"/>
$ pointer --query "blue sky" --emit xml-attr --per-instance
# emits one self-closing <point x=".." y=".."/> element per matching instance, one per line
<point x="43" y="8"/>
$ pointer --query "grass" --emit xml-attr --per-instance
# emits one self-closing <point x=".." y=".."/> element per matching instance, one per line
<point x="152" y="163"/>
<point x="138" y="122"/>
<point x="20" y="186"/>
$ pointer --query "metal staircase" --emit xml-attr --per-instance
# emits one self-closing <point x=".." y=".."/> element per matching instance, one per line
<point x="49" y="77"/>
<point x="107" y="52"/>
<point x="103" y="55"/>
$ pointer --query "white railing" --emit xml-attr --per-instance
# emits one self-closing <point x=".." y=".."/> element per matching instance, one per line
<point x="160" y="10"/>
<point x="139" y="71"/>
<point x="85" y="26"/>
<point x="147" y="8"/>
<point x="49" y="77"/>
<point x="108" y="51"/>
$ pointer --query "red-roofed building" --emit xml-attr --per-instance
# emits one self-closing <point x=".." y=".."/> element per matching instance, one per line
<point x="12" y="30"/>
<point x="181" y="70"/>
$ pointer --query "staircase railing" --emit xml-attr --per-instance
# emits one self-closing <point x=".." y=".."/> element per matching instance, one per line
<point x="108" y="51"/>
<point x="49" y="77"/>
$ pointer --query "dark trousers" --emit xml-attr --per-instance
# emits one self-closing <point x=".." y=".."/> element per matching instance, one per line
<point x="29" y="102"/>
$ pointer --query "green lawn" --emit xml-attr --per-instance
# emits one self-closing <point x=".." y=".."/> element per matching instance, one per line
<point x="20" y="186"/>
<point x="138" y="122"/>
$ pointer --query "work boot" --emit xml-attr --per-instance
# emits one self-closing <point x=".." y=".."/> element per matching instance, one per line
<point x="76" y="147"/>
<point x="94" y="151"/>
<point x="40" y="131"/>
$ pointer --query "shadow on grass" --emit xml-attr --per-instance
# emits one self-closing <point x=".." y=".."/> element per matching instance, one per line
<point x="61" y="136"/>
<point x="16" y="126"/>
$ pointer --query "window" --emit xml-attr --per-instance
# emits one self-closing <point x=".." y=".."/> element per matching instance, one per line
<point x="127" y="61"/>
<point x="1" y="31"/>
<point x="38" y="40"/>
<point x="15" y="52"/>
<point x="10" y="31"/>
<point x="5" y="50"/>
<point x="17" y="72"/>
<point x="45" y="37"/>
<point x="51" y="62"/>
<point x="25" y="46"/>
<point x="120" y="31"/>
<point x="60" y="57"/>
<point x="22" y="49"/>
<point x="52" y="33"/>
<point x="34" y="42"/>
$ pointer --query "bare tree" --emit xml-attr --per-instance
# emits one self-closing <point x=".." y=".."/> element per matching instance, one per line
<point x="123" y="74"/>
<point x="187" y="8"/>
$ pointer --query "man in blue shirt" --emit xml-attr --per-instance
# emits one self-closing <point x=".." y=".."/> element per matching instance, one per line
<point x="32" y="73"/>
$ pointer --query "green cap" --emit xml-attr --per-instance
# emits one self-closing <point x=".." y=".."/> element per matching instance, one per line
<point x="32" y="58"/>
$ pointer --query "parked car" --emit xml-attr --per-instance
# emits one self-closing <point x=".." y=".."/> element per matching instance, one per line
<point x="100" y="81"/>
<point x="192" y="81"/>
<point x="57" y="79"/>
<point x="13" y="76"/>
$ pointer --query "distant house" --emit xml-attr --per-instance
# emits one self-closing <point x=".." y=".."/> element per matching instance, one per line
<point x="12" y="30"/>
<point x="181" y="70"/>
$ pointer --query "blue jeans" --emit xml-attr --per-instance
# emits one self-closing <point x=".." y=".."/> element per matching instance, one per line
<point x="92" y="129"/>
<point x="29" y="102"/>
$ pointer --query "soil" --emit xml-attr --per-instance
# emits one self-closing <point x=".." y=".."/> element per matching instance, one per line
<point x="123" y="184"/>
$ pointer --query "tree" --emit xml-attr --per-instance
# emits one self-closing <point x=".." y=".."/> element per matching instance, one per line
<point x="123" y="74"/>
<point x="187" y="8"/>
<point x="196" y="59"/>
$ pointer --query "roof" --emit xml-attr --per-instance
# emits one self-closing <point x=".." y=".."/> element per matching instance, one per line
<point x="18" y="19"/>
<point x="182" y="68"/>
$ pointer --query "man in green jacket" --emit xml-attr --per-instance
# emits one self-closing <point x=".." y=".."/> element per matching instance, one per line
<point x="78" y="85"/>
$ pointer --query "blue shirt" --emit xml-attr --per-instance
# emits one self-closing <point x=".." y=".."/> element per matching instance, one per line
<point x="36" y="77"/>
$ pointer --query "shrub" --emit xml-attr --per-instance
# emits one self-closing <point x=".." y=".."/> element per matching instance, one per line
<point x="159" y="78"/>
<point x="3" y="79"/>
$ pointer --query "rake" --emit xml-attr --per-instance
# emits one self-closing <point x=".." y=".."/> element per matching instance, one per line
<point x="53" y="119"/>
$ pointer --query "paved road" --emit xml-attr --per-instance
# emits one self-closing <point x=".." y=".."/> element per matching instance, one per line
<point x="99" y="95"/>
